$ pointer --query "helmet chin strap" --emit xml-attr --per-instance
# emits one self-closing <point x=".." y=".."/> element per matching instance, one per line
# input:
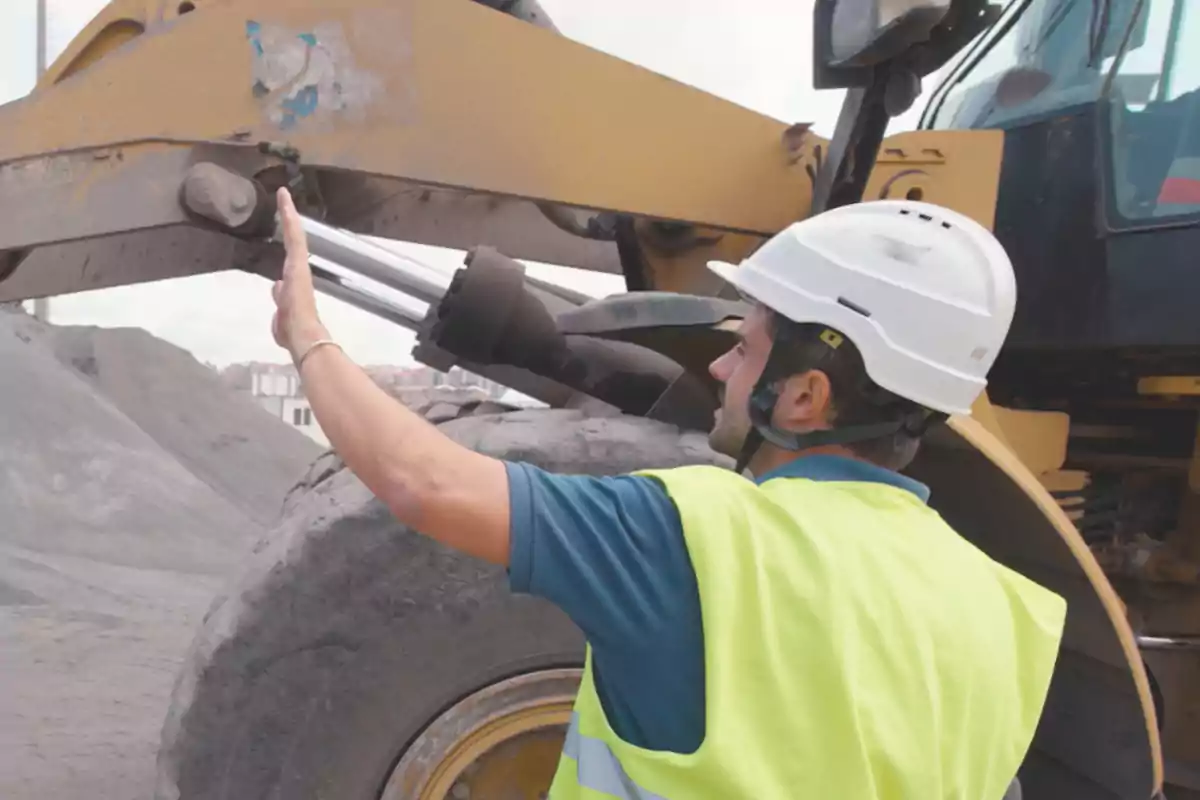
<point x="762" y="406"/>
<point x="750" y="445"/>
<point x="762" y="403"/>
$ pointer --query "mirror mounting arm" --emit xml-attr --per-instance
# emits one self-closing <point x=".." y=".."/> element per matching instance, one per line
<point x="861" y="125"/>
<point x="882" y="80"/>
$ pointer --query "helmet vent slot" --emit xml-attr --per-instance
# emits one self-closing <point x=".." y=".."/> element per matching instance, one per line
<point x="850" y="304"/>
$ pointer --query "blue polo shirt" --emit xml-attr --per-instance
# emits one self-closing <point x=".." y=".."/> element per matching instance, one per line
<point x="610" y="552"/>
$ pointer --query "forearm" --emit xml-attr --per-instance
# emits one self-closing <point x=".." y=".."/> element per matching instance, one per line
<point x="428" y="481"/>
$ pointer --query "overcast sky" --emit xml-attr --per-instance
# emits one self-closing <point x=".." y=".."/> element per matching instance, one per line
<point x="753" y="52"/>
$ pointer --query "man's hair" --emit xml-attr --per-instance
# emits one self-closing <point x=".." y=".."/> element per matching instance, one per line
<point x="856" y="399"/>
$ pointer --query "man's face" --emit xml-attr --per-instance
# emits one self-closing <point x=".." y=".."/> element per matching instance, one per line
<point x="738" y="370"/>
<point x="804" y="399"/>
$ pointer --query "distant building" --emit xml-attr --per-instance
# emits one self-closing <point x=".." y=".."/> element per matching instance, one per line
<point x="276" y="387"/>
<point x="397" y="379"/>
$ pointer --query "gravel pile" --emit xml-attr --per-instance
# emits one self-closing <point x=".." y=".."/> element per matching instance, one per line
<point x="227" y="441"/>
<point x="131" y="484"/>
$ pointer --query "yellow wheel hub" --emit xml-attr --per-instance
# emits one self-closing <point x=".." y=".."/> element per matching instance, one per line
<point x="501" y="743"/>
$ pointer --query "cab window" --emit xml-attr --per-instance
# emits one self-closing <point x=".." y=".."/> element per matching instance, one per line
<point x="1038" y="58"/>
<point x="1155" y="116"/>
<point x="1046" y="57"/>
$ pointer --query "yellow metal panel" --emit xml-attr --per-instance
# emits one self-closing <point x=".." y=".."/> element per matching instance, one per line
<point x="1065" y="480"/>
<point x="688" y="272"/>
<point x="115" y="24"/>
<point x="1170" y="385"/>
<point x="444" y="92"/>
<point x="983" y="412"/>
<point x="112" y="37"/>
<point x="1039" y="438"/>
<point x="955" y="169"/>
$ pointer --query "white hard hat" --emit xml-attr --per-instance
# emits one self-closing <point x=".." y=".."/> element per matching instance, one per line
<point x="925" y="293"/>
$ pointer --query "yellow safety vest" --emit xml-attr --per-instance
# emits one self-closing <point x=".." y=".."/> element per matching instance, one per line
<point x="856" y="648"/>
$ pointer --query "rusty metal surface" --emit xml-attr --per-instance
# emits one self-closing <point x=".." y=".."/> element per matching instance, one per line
<point x="673" y="269"/>
<point x="458" y="219"/>
<point x="401" y="90"/>
<point x="448" y="219"/>
<point x="99" y="192"/>
<point x="157" y="254"/>
<point x="958" y="169"/>
<point x="471" y="138"/>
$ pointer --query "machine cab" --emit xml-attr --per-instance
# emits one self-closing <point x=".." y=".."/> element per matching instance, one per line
<point x="1099" y="196"/>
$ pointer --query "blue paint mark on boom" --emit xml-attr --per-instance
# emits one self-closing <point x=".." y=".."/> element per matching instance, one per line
<point x="297" y="73"/>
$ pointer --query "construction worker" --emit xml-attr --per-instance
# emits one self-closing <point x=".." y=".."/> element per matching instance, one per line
<point x="817" y="631"/>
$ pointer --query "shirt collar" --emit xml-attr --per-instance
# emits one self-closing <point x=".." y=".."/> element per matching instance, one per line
<point x="827" y="467"/>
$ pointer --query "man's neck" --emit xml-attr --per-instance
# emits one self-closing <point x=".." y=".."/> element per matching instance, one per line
<point x="769" y="457"/>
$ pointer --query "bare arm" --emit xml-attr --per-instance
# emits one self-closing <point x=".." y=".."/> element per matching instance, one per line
<point x="428" y="481"/>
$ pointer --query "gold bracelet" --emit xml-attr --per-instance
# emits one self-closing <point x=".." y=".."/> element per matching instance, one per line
<point x="308" y="350"/>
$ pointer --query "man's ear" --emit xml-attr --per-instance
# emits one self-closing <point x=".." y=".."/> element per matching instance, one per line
<point x="805" y="402"/>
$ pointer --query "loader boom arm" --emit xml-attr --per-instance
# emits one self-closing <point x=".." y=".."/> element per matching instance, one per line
<point x="396" y="120"/>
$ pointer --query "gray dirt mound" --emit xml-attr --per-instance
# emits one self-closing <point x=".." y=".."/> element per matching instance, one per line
<point x="131" y="484"/>
<point x="78" y="477"/>
<point x="223" y="438"/>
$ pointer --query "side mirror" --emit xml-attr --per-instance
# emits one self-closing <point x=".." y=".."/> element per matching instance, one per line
<point x="853" y="37"/>
<point x="864" y="33"/>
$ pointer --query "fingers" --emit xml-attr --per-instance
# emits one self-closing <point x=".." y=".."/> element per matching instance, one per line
<point x="287" y="214"/>
<point x="294" y="240"/>
<point x="293" y="233"/>
<point x="294" y="294"/>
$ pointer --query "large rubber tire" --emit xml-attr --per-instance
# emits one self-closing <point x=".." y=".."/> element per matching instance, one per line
<point x="347" y="632"/>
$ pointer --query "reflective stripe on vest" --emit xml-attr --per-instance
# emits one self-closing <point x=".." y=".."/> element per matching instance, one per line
<point x="597" y="766"/>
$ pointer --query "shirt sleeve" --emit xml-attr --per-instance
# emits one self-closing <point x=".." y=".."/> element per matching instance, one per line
<point x="608" y="551"/>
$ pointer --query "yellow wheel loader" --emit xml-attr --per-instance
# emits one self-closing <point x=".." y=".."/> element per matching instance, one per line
<point x="354" y="659"/>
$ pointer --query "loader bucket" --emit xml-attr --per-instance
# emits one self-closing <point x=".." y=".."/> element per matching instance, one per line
<point x="1098" y="737"/>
